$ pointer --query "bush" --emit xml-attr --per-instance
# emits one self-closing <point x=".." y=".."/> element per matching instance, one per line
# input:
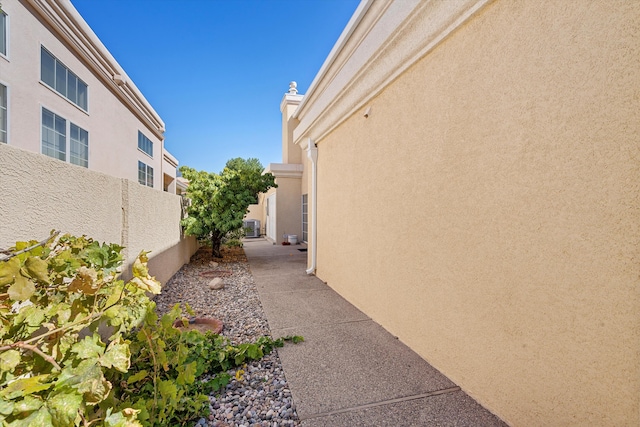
<point x="70" y="327"/>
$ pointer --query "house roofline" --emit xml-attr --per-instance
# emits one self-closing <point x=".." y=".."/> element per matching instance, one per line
<point x="357" y="16"/>
<point x="67" y="22"/>
<point x="382" y="40"/>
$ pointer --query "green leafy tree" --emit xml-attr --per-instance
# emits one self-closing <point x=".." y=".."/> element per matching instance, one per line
<point x="219" y="202"/>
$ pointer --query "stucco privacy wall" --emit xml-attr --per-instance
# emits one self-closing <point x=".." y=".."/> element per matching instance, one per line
<point x="487" y="210"/>
<point x="40" y="194"/>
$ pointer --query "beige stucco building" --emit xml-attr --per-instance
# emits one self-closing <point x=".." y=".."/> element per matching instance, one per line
<point x="282" y="210"/>
<point x="473" y="179"/>
<point x="63" y="94"/>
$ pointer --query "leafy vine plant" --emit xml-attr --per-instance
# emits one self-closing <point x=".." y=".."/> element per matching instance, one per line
<point x="70" y="327"/>
<point x="55" y="295"/>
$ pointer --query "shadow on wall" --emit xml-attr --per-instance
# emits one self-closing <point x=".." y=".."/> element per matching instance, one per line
<point x="164" y="264"/>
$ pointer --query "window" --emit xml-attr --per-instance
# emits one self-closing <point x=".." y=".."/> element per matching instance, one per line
<point x="79" y="149"/>
<point x="54" y="139"/>
<point x="54" y="74"/>
<point x="145" y="174"/>
<point x="305" y="218"/>
<point x="54" y="135"/>
<point x="145" y="144"/>
<point x="3" y="114"/>
<point x="3" y="33"/>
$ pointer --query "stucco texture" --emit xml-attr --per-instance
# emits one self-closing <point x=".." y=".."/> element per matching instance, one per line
<point x="487" y="210"/>
<point x="40" y="194"/>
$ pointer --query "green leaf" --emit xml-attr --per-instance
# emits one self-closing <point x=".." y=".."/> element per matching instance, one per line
<point x="6" y="407"/>
<point x="254" y="352"/>
<point x="139" y="268"/>
<point x="90" y="347"/>
<point x="22" y="288"/>
<point x="186" y="373"/>
<point x="87" y="378"/>
<point x="64" y="408"/>
<point x="42" y="418"/>
<point x="116" y="293"/>
<point x="24" y="386"/>
<point x="96" y="255"/>
<point x="37" y="269"/>
<point x="26" y="405"/>
<point x="8" y="271"/>
<point x="94" y="386"/>
<point x="117" y="356"/>
<point x="137" y="377"/>
<point x="9" y="360"/>
<point x="31" y="315"/>
<point x="168" y="390"/>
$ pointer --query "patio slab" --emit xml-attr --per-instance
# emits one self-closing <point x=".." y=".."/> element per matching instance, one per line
<point x="349" y="371"/>
<point x="296" y="281"/>
<point x="343" y="365"/>
<point x="307" y="307"/>
<point x="449" y="409"/>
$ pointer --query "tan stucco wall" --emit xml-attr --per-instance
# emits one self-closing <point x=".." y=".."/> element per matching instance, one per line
<point x="112" y="126"/>
<point x="487" y="211"/>
<point x="290" y="153"/>
<point x="255" y="212"/>
<point x="40" y="194"/>
<point x="289" y="208"/>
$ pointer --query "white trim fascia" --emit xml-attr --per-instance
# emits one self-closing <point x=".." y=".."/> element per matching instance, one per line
<point x="396" y="35"/>
<point x="357" y="16"/>
<point x="72" y="28"/>
<point x="290" y="99"/>
<point x="168" y="157"/>
<point x="285" y="170"/>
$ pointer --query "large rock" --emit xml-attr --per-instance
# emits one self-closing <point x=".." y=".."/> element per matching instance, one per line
<point x="216" y="284"/>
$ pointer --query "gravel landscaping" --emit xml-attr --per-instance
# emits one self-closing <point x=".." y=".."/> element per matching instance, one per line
<point x="262" y="398"/>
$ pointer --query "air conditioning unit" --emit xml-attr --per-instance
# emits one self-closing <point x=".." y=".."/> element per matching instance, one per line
<point x="251" y="227"/>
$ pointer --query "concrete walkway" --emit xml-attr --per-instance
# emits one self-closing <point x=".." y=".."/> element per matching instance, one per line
<point x="349" y="371"/>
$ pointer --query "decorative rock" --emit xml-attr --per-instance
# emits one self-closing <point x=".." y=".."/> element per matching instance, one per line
<point x="216" y="284"/>
<point x="213" y="264"/>
<point x="264" y="387"/>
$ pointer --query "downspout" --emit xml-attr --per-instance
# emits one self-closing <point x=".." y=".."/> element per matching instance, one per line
<point x="312" y="154"/>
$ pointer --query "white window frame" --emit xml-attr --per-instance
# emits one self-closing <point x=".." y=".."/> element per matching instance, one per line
<point x="148" y="177"/>
<point x="305" y="221"/>
<point x="78" y="160"/>
<point x="5" y="54"/>
<point x="67" y="137"/>
<point x="59" y="64"/>
<point x="5" y="107"/>
<point x="142" y="146"/>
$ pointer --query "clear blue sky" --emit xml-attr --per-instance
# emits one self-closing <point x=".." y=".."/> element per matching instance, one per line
<point x="216" y="70"/>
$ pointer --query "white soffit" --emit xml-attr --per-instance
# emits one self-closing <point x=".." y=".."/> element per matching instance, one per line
<point x="285" y="170"/>
<point x="72" y="28"/>
<point x="382" y="40"/>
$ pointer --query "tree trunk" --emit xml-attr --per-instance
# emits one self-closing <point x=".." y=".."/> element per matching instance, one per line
<point x="216" y="241"/>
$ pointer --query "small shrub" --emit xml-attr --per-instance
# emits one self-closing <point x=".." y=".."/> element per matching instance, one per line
<point x="54" y="297"/>
<point x="58" y="366"/>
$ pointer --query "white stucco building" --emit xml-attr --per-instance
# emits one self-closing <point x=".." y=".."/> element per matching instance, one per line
<point x="62" y="94"/>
